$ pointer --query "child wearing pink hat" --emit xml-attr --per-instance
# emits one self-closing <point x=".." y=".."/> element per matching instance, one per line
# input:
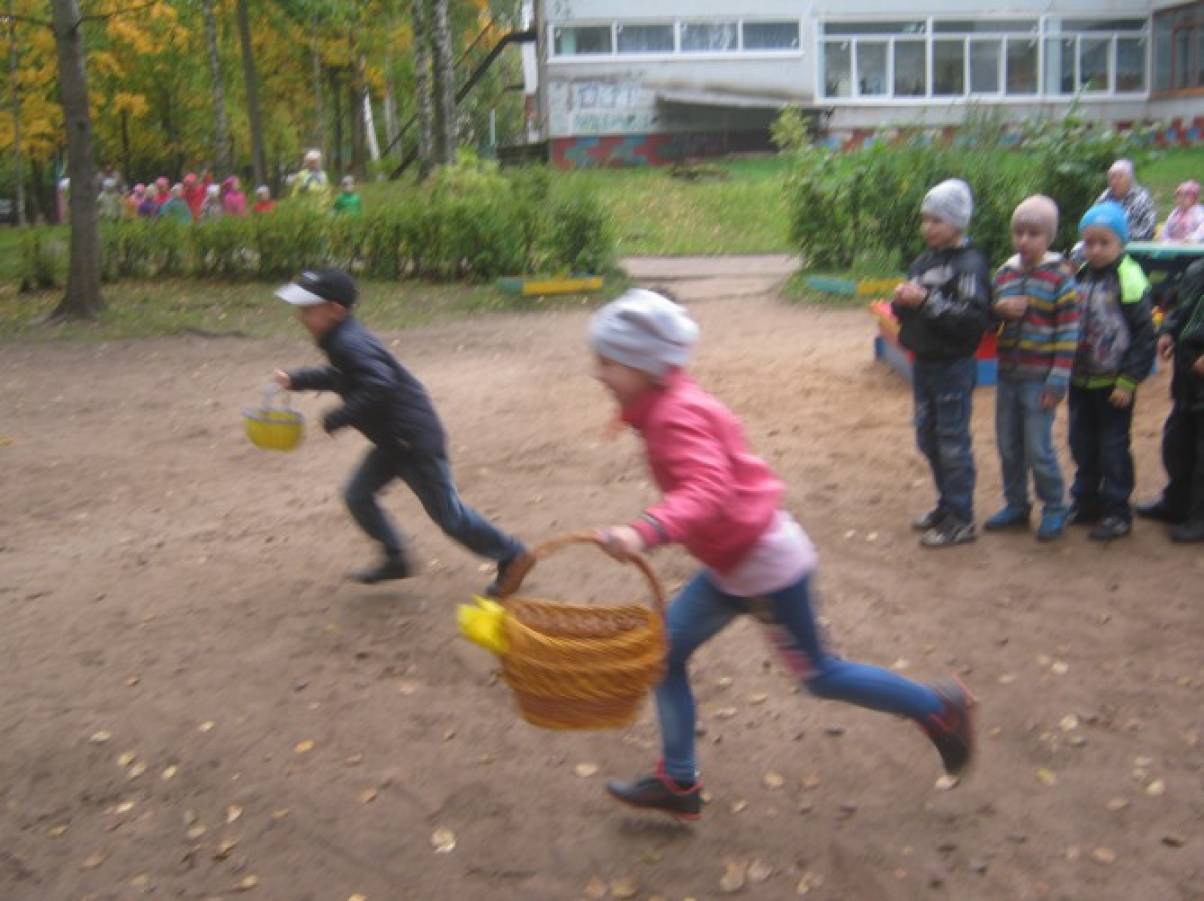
<point x="1186" y="222"/>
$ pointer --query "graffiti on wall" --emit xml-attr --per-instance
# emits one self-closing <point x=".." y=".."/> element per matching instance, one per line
<point x="597" y="106"/>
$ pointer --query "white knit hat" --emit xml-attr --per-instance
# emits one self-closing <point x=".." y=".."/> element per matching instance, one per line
<point x="644" y="330"/>
<point x="951" y="201"/>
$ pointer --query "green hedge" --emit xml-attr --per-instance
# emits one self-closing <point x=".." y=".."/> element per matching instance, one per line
<point x="845" y="207"/>
<point x="470" y="222"/>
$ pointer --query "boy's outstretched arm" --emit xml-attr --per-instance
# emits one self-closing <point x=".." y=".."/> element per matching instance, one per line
<point x="314" y="378"/>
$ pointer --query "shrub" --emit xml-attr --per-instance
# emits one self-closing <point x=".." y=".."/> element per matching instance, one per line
<point x="43" y="258"/>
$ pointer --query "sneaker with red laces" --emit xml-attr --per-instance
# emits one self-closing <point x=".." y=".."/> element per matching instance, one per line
<point x="952" y="729"/>
<point x="660" y="791"/>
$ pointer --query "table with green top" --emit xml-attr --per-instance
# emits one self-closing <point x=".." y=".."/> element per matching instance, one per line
<point x="1156" y="256"/>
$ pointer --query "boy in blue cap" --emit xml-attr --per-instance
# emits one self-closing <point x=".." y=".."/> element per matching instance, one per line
<point x="1115" y="353"/>
<point x="391" y="408"/>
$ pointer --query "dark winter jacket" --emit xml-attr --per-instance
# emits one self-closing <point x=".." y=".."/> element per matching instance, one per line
<point x="1116" y="328"/>
<point x="1185" y="324"/>
<point x="950" y="323"/>
<point x="380" y="396"/>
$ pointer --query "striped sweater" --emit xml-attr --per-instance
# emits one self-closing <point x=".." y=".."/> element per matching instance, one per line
<point x="1039" y="347"/>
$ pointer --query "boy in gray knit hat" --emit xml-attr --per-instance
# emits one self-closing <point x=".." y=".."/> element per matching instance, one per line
<point x="943" y="309"/>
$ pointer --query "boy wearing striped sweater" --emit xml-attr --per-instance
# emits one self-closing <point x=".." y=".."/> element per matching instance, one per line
<point x="1035" y="300"/>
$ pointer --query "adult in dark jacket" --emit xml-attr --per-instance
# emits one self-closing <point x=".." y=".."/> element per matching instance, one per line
<point x="392" y="409"/>
<point x="1181" y="340"/>
<point x="943" y="309"/>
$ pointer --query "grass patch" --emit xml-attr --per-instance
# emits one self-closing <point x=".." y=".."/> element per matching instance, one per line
<point x="144" y="309"/>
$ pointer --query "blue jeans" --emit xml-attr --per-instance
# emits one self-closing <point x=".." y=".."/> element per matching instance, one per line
<point x="1099" y="443"/>
<point x="944" y="402"/>
<point x="701" y="611"/>
<point x="1024" y="432"/>
<point x="430" y="478"/>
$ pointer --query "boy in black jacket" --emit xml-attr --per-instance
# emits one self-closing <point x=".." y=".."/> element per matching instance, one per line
<point x="1181" y="339"/>
<point x="391" y="408"/>
<point x="1115" y="353"/>
<point x="943" y="309"/>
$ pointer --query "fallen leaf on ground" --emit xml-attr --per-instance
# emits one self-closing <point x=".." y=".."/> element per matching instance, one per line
<point x="773" y="780"/>
<point x="1143" y="761"/>
<point x="304" y="746"/>
<point x="92" y="861"/>
<point x="169" y="773"/>
<point x="1070" y="721"/>
<point x="233" y="812"/>
<point x="1117" y="804"/>
<point x="196" y="832"/>
<point x="247" y="883"/>
<point x="808" y="882"/>
<point x="56" y="831"/>
<point x="367" y="796"/>
<point x="99" y="738"/>
<point x="945" y="783"/>
<point x="734" y="874"/>
<point x="206" y="726"/>
<point x="406" y="688"/>
<point x="1156" y="788"/>
<point x="132" y="681"/>
<point x="1007" y="678"/>
<point x="624" y="888"/>
<point x="585" y="770"/>
<point x="759" y="871"/>
<point x="141" y="880"/>
<point x="724" y="681"/>
<point x="1046" y="777"/>
<point x="357" y="897"/>
<point x="725" y="713"/>
<point x="443" y="841"/>
<point x="650" y="856"/>
<point x="1104" y="855"/>
<point x="738" y="806"/>
<point x="280" y="814"/>
<point x="136" y="770"/>
<point x="759" y="698"/>
<point x="126" y="758"/>
<point x="811" y="782"/>
<point x="596" y="888"/>
<point x="124" y="807"/>
<point x="1060" y="668"/>
<point x="224" y="847"/>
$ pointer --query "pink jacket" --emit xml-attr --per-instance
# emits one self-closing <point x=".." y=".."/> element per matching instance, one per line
<point x="719" y="498"/>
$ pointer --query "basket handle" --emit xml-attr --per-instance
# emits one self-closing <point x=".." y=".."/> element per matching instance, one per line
<point x="514" y="578"/>
<point x="271" y="392"/>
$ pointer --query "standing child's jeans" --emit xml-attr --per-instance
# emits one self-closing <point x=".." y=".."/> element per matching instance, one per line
<point x="1099" y="443"/>
<point x="943" y="396"/>
<point x="701" y="610"/>
<point x="430" y="478"/>
<point x="1183" y="457"/>
<point x="1024" y="432"/>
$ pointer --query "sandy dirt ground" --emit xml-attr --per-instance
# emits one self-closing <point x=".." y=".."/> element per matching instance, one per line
<point x="196" y="705"/>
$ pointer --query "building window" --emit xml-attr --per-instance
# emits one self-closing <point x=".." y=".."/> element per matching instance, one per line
<point x="871" y="69"/>
<point x="986" y="58"/>
<point x="1130" y="65"/>
<point x="645" y="38"/>
<point x="1179" y="48"/>
<point x="770" y="35"/>
<point x="709" y="37"/>
<point x="838" y="68"/>
<point x="948" y="68"/>
<point x="911" y="68"/>
<point x="582" y="40"/>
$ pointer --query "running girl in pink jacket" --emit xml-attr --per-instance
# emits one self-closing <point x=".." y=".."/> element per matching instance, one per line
<point x="724" y="504"/>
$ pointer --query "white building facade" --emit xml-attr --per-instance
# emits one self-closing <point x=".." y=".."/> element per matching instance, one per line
<point x="648" y="81"/>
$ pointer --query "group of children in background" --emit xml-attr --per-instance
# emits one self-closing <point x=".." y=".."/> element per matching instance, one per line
<point x="1088" y="335"/>
<point x="200" y="198"/>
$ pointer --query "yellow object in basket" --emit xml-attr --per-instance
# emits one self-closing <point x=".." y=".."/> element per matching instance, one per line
<point x="274" y="427"/>
<point x="484" y="624"/>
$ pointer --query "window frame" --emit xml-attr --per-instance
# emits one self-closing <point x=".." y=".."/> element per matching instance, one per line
<point x="1193" y="28"/>
<point x="677" y="54"/>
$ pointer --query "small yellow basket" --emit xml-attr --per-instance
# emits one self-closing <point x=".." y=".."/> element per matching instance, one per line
<point x="274" y="426"/>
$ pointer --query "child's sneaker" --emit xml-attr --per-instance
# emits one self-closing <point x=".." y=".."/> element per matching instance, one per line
<point x="390" y="569"/>
<point x="520" y="562"/>
<point x="1110" y="528"/>
<point x="948" y="533"/>
<point x="1190" y="531"/>
<point x="660" y="792"/>
<point x="1053" y="525"/>
<point x="929" y="520"/>
<point x="952" y="729"/>
<point x="1008" y="518"/>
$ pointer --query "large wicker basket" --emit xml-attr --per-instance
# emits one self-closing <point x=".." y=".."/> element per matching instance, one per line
<point x="576" y="666"/>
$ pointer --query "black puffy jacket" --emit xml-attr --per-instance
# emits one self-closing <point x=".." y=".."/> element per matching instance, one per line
<point x="949" y="325"/>
<point x="380" y="396"/>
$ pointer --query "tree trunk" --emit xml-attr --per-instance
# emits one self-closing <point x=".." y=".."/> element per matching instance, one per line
<point x="315" y="55"/>
<point x="365" y="104"/>
<point x="221" y="127"/>
<point x="392" y="125"/>
<point x="15" y="105"/>
<point x="258" y="161"/>
<point x="336" y="153"/>
<point x="422" y="87"/>
<point x="445" y="83"/>
<point x="82" y="300"/>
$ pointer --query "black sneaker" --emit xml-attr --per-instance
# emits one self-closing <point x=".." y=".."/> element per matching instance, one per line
<point x="948" y="533"/>
<point x="929" y="520"/>
<point x="1160" y="512"/>
<point x="952" y="730"/>
<point x="390" y="569"/>
<point x="660" y="792"/>
<point x="1110" y="528"/>
<point x="1082" y="515"/>
<point x="523" y="560"/>
<point x="1190" y="531"/>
